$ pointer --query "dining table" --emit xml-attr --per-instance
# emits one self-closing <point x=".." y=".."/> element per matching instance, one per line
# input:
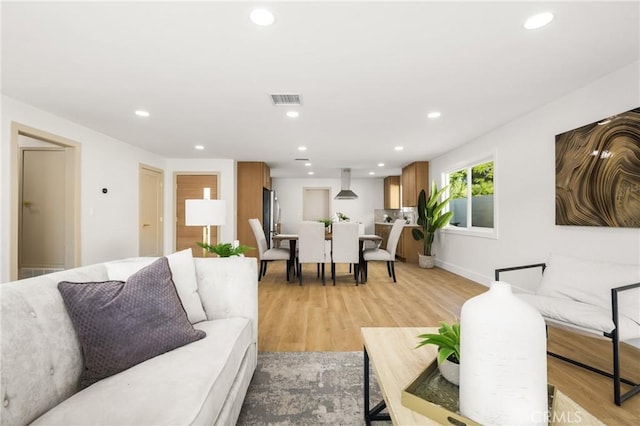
<point x="293" y="241"/>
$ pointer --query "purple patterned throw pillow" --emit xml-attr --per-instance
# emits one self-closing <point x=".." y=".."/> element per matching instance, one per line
<point x="121" y="324"/>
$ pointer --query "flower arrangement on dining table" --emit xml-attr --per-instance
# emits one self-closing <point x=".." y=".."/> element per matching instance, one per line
<point x="342" y="217"/>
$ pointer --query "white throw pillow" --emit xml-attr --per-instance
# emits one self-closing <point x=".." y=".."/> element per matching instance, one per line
<point x="121" y="270"/>
<point x="183" y="271"/>
<point x="590" y="281"/>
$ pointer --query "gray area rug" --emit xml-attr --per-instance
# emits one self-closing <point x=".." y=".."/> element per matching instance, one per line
<point x="308" y="388"/>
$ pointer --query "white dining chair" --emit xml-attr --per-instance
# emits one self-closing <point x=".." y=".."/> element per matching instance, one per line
<point x="385" y="255"/>
<point x="311" y="246"/>
<point x="265" y="253"/>
<point x="345" y="247"/>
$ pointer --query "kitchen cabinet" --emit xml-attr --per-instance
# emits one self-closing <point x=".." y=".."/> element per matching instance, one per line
<point x="383" y="231"/>
<point x="252" y="177"/>
<point x="408" y="247"/>
<point x="392" y="192"/>
<point x="415" y="177"/>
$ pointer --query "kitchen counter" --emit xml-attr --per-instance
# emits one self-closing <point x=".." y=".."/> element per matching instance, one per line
<point x="391" y="224"/>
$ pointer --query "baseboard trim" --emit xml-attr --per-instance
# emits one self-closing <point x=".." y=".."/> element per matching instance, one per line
<point x="474" y="276"/>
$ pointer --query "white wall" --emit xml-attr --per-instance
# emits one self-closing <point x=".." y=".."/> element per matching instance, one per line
<point x="525" y="186"/>
<point x="370" y="197"/>
<point x="109" y="222"/>
<point x="226" y="171"/>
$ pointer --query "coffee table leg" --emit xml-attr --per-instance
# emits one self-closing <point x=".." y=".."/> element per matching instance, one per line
<point x="374" y="413"/>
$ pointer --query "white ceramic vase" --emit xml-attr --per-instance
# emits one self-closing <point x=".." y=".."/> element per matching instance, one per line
<point x="503" y="360"/>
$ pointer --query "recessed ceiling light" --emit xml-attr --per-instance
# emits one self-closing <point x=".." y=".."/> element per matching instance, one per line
<point x="434" y="114"/>
<point x="261" y="17"/>
<point x="539" y="20"/>
<point x="199" y="147"/>
<point x="293" y="114"/>
<point x="142" y="113"/>
<point x="310" y="173"/>
<point x="307" y="164"/>
<point x="302" y="148"/>
<point x="380" y="164"/>
<point x="398" y="148"/>
<point x="372" y="173"/>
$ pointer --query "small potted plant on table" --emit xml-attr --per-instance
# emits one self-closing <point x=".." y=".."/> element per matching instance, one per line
<point x="448" y="342"/>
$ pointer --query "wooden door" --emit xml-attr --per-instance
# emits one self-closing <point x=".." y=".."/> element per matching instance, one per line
<point x="192" y="187"/>
<point x="151" y="217"/>
<point x="42" y="231"/>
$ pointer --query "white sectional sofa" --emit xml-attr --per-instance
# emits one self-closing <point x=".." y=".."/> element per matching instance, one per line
<point x="203" y="382"/>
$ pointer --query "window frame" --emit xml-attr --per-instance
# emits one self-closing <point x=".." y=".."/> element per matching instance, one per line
<point x="470" y="230"/>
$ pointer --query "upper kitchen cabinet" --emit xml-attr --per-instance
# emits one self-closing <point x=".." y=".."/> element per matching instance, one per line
<point x="415" y="177"/>
<point x="392" y="192"/>
<point x="252" y="177"/>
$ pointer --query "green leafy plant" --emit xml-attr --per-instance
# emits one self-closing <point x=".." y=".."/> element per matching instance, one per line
<point x="327" y="222"/>
<point x="447" y="340"/>
<point x="225" y="249"/>
<point x="430" y="216"/>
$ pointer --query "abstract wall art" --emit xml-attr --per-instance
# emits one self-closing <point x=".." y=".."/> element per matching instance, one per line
<point x="598" y="173"/>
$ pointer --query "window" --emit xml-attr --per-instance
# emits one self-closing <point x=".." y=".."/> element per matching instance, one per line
<point x="472" y="197"/>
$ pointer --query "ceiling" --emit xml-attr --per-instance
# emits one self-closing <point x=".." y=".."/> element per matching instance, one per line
<point x="367" y="72"/>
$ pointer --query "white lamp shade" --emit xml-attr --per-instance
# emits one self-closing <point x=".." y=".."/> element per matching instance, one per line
<point x="205" y="212"/>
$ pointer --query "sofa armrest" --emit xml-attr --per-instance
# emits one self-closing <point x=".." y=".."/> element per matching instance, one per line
<point x="228" y="287"/>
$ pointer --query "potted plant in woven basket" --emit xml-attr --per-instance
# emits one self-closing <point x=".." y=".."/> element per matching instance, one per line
<point x="448" y="342"/>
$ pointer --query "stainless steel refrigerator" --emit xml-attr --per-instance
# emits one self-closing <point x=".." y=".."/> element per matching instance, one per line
<point x="270" y="214"/>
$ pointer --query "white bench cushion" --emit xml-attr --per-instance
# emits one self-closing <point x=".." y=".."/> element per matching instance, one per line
<point x="588" y="317"/>
<point x="169" y="389"/>
<point x="590" y="282"/>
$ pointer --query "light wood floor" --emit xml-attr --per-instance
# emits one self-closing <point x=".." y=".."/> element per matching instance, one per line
<point x="317" y="318"/>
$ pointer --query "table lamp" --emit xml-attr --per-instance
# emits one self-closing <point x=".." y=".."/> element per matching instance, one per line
<point x="205" y="213"/>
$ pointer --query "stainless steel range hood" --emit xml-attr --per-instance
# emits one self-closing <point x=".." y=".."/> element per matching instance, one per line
<point x="345" y="193"/>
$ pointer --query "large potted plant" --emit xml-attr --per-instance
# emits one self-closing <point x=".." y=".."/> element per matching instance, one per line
<point x="448" y="342"/>
<point x="430" y="219"/>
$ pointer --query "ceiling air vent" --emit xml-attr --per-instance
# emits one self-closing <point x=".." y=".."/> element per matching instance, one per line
<point x="285" y="99"/>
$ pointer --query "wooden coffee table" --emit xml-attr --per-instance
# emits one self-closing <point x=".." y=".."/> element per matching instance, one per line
<point x="396" y="364"/>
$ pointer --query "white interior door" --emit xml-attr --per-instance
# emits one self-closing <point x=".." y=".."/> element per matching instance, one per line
<point x="43" y="209"/>
<point x="151" y="217"/>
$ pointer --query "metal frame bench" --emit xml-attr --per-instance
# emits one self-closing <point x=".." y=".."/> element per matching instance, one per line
<point x="613" y="335"/>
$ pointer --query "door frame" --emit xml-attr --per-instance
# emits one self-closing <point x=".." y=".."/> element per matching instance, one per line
<point x="72" y="233"/>
<point x="174" y="181"/>
<point x="142" y="166"/>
